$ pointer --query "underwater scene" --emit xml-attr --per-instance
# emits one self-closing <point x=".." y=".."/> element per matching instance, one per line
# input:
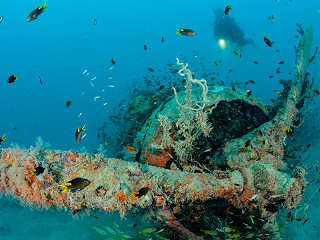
<point x="159" y="120"/>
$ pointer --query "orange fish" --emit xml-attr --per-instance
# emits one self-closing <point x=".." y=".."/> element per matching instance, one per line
<point x="130" y="149"/>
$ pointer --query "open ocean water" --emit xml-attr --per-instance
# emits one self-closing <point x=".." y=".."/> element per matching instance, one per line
<point x="92" y="52"/>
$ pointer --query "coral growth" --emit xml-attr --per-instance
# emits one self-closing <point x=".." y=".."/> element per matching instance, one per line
<point x="191" y="122"/>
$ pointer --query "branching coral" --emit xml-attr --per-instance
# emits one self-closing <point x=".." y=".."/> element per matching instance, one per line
<point x="192" y="121"/>
<point x="184" y="71"/>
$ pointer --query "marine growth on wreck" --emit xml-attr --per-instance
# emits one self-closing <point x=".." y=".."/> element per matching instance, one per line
<point x="209" y="162"/>
<point x="200" y="159"/>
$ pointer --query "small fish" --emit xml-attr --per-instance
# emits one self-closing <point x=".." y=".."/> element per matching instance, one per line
<point x="207" y="150"/>
<point x="68" y="103"/>
<point x="96" y="97"/>
<point x="74" y="185"/>
<point x="161" y="230"/>
<point x="145" y="47"/>
<point x="96" y="217"/>
<point x="289" y="215"/>
<point x="227" y="9"/>
<point x="83" y="136"/>
<point x="271" y="17"/>
<point x="40" y="80"/>
<point x="249" y="92"/>
<point x="130" y="149"/>
<point x="271" y="76"/>
<point x="253" y="197"/>
<point x="147" y="230"/>
<point x="251" y="81"/>
<point x="94" y="78"/>
<point x="113" y="61"/>
<point x="100" y="231"/>
<point x="162" y="39"/>
<point x="80" y="114"/>
<point x="105" y="142"/>
<point x="111" y="86"/>
<point x="91" y="84"/>
<point x="110" y="230"/>
<point x="79" y="132"/>
<point x="235" y="235"/>
<point x="206" y="231"/>
<point x="142" y="191"/>
<point x="304" y="222"/>
<point x="1" y="18"/>
<point x="229" y="229"/>
<point x="36" y="12"/>
<point x="237" y="52"/>
<point x="267" y="41"/>
<point x="124" y="236"/>
<point x="84" y="72"/>
<point x="95" y="21"/>
<point x="12" y="78"/>
<point x="217" y="63"/>
<point x="37" y="171"/>
<point x="150" y="69"/>
<point x="281" y="62"/>
<point x="255" y="62"/>
<point x="277" y="196"/>
<point x="278" y="70"/>
<point x="2" y="138"/>
<point x="185" y="32"/>
<point x="116" y="225"/>
<point x="230" y="71"/>
<point x="105" y="104"/>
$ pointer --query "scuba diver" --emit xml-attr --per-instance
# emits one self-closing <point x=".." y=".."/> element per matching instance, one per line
<point x="226" y="29"/>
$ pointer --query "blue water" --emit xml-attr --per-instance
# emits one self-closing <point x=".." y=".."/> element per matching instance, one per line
<point x="63" y="42"/>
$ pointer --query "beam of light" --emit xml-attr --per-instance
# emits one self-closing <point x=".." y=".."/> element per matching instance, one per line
<point x="222" y="43"/>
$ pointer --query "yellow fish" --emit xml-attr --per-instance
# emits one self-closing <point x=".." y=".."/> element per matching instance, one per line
<point x="235" y="235"/>
<point x="74" y="185"/>
<point x="147" y="230"/>
<point x="161" y="230"/>
<point x="206" y="231"/>
<point x="229" y="229"/>
<point x="2" y="138"/>
<point x="163" y="238"/>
